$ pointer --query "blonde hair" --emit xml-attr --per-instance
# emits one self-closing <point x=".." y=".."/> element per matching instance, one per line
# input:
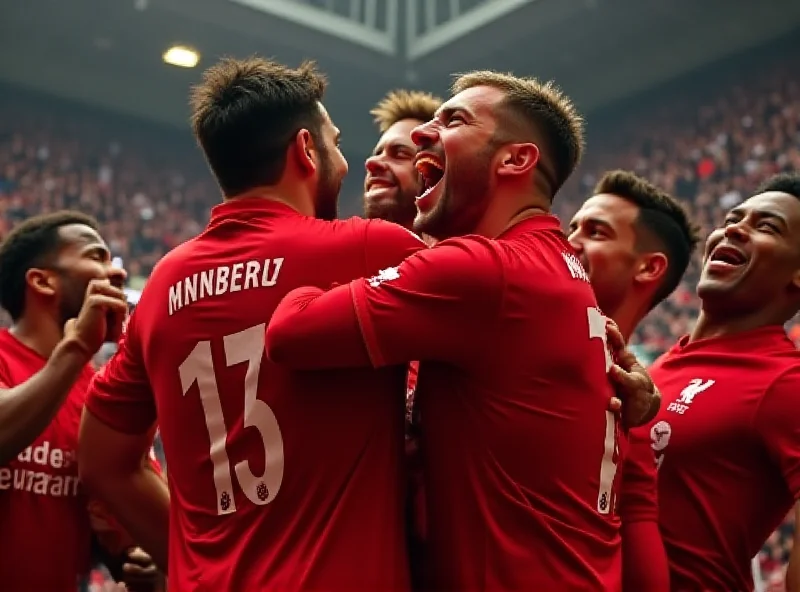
<point x="404" y="104"/>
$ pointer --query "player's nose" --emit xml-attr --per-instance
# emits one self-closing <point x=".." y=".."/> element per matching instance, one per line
<point x="374" y="164"/>
<point x="425" y="134"/>
<point x="575" y="241"/>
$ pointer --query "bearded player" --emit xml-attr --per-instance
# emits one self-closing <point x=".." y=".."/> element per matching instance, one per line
<point x="65" y="300"/>
<point x="727" y="439"/>
<point x="278" y="480"/>
<point x="518" y="448"/>
<point x="391" y="184"/>
<point x="635" y="242"/>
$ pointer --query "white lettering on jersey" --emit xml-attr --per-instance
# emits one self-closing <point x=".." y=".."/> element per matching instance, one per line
<point x="42" y="482"/>
<point x="243" y="275"/>
<point x="384" y="275"/>
<point x="694" y="388"/>
<point x="574" y="266"/>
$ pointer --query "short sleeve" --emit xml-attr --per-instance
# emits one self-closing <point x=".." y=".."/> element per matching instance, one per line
<point x="778" y="426"/>
<point x="638" y="496"/>
<point x="387" y="244"/>
<point x="120" y="394"/>
<point x="434" y="306"/>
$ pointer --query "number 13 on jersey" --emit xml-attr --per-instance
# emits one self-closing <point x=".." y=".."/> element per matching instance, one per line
<point x="608" y="466"/>
<point x="198" y="368"/>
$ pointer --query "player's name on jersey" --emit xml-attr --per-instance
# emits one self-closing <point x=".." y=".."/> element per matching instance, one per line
<point x="575" y="268"/>
<point x="244" y="275"/>
<point x="42" y="482"/>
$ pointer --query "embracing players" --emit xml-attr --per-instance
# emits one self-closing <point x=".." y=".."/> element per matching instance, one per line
<point x="278" y="480"/>
<point x="519" y="451"/>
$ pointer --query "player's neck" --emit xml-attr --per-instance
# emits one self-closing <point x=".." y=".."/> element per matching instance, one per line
<point x="503" y="214"/>
<point x="629" y="313"/>
<point x="295" y="199"/>
<point x="39" y="332"/>
<point x="710" y="325"/>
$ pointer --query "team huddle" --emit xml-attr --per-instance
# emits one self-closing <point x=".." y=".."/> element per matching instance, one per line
<point x="434" y="397"/>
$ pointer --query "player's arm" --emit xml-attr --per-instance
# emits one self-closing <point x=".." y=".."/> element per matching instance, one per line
<point x="115" y="437"/>
<point x="28" y="408"/>
<point x="644" y="560"/>
<point x="433" y="306"/>
<point x="777" y="426"/>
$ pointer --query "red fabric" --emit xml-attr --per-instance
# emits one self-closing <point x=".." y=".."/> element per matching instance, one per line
<point x="304" y="492"/>
<point x="512" y="398"/>
<point x="42" y="504"/>
<point x="728" y="420"/>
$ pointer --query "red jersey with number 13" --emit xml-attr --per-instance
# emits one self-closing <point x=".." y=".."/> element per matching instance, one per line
<point x="279" y="480"/>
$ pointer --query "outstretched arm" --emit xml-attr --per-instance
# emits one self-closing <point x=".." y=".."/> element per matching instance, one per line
<point x="430" y="307"/>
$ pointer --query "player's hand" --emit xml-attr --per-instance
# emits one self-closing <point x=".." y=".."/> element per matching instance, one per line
<point x="100" y="319"/>
<point x="140" y="573"/>
<point x="638" y="399"/>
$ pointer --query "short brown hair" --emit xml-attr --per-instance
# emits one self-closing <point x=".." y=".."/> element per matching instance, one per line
<point x="245" y="113"/>
<point x="661" y="219"/>
<point x="404" y="104"/>
<point x="544" y="109"/>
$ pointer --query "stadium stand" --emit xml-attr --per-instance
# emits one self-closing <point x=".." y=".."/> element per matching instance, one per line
<point x="709" y="146"/>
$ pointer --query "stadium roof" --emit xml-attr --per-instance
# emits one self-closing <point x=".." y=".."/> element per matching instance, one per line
<point x="108" y="53"/>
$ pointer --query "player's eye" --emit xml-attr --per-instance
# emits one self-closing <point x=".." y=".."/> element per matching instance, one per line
<point x="456" y="119"/>
<point x="768" y="226"/>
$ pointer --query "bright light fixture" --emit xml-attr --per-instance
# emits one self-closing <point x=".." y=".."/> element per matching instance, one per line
<point x="181" y="56"/>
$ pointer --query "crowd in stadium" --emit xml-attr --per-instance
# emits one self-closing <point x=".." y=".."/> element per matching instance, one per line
<point x="150" y="190"/>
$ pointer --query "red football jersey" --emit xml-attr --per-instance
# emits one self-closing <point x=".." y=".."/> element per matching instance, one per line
<point x="727" y="444"/>
<point x="518" y="447"/>
<point x="45" y="537"/>
<point x="279" y="480"/>
<point x="638" y="490"/>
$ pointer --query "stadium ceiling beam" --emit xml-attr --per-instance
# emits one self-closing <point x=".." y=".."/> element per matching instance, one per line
<point x="438" y="36"/>
<point x="336" y="25"/>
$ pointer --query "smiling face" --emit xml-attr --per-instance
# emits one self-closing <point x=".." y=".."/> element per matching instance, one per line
<point x="603" y="234"/>
<point x="455" y="159"/>
<point x="753" y="260"/>
<point x="82" y="257"/>
<point x="392" y="183"/>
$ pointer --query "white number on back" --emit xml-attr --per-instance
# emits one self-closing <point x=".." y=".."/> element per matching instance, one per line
<point x="198" y="367"/>
<point x="608" y="466"/>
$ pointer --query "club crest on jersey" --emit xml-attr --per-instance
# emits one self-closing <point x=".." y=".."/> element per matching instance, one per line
<point x="694" y="388"/>
<point x="384" y="275"/>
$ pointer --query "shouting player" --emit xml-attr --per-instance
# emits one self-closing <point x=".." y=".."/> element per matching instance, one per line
<point x="635" y="242"/>
<point x="65" y="300"/>
<point x="278" y="480"/>
<point x="518" y="448"/>
<point x="727" y="439"/>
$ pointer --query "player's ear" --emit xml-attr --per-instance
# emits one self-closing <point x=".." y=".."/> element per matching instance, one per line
<point x="517" y="159"/>
<point x="652" y="268"/>
<point x="796" y="281"/>
<point x="41" y="281"/>
<point x="305" y="151"/>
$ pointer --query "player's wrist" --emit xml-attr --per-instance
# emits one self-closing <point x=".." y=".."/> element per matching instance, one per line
<point x="72" y="350"/>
